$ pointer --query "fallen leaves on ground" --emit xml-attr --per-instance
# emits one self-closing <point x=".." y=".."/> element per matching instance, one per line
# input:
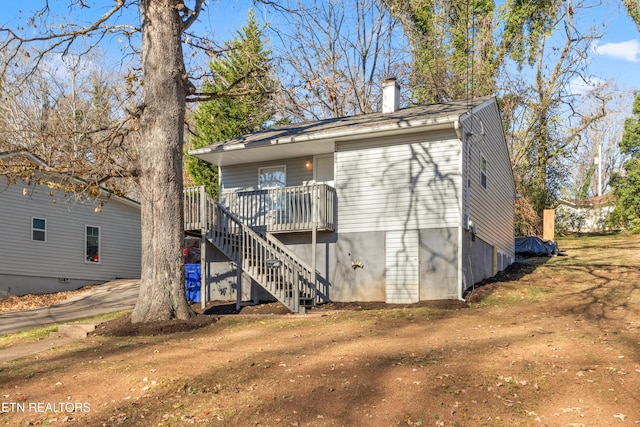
<point x="29" y="301"/>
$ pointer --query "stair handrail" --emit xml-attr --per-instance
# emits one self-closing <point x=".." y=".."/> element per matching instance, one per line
<point x="284" y="254"/>
<point x="275" y="242"/>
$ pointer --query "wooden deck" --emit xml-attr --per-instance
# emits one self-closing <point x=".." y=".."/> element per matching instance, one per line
<point x="241" y="227"/>
<point x="279" y="210"/>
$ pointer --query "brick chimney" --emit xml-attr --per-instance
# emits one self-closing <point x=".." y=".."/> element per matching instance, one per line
<point x="390" y="95"/>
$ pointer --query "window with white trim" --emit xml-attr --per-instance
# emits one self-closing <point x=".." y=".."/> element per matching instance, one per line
<point x="483" y="171"/>
<point x="272" y="177"/>
<point x="92" y="244"/>
<point x="38" y="229"/>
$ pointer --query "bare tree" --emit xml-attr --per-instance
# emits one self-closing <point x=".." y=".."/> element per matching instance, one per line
<point x="67" y="113"/>
<point x="546" y="117"/>
<point x="162" y="134"/>
<point x="161" y="118"/>
<point x="599" y="141"/>
<point x="334" y="56"/>
<point x="452" y="44"/>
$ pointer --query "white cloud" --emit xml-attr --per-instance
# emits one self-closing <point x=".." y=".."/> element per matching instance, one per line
<point x="580" y="87"/>
<point x="627" y="51"/>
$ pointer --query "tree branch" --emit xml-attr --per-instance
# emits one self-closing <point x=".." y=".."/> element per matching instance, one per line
<point x="192" y="15"/>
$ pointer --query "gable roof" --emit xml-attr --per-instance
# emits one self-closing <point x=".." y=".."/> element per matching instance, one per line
<point x="318" y="137"/>
<point x="43" y="168"/>
<point x="590" y="203"/>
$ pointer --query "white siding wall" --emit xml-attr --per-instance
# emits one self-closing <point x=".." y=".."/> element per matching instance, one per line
<point x="238" y="177"/>
<point x="399" y="184"/>
<point x="491" y="209"/>
<point x="63" y="253"/>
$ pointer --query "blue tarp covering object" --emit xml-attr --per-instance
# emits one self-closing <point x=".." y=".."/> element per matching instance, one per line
<point x="535" y="246"/>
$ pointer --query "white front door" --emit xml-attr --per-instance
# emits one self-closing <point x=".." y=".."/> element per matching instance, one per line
<point x="323" y="169"/>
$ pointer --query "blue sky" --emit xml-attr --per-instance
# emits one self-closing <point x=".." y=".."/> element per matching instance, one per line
<point x="616" y="56"/>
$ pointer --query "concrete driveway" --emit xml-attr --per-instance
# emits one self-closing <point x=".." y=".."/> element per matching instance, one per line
<point x="100" y="299"/>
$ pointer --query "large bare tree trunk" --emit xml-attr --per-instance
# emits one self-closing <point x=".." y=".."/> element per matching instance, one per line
<point x="162" y="292"/>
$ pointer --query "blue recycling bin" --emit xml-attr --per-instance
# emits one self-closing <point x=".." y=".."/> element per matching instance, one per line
<point x="192" y="275"/>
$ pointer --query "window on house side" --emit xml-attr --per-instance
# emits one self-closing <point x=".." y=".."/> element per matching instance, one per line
<point x="483" y="171"/>
<point x="39" y="229"/>
<point x="272" y="177"/>
<point x="92" y="240"/>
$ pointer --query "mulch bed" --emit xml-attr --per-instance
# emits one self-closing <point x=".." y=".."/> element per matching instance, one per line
<point x="122" y="326"/>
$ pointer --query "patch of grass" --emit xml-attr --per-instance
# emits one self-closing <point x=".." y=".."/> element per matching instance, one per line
<point x="27" y="336"/>
<point x="31" y="335"/>
<point x="515" y="294"/>
<point x="102" y="317"/>
<point x="594" y="247"/>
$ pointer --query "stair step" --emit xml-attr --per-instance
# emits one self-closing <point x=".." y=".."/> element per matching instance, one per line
<point x="74" y="330"/>
<point x="266" y="261"/>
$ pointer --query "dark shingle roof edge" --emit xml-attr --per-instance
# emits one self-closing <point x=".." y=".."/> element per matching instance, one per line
<point x="41" y="163"/>
<point x="405" y="118"/>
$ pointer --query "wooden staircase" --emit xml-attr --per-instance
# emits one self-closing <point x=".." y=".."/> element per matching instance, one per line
<point x="261" y="256"/>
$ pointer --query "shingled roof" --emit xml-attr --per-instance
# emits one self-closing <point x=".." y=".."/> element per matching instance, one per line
<point x="344" y="127"/>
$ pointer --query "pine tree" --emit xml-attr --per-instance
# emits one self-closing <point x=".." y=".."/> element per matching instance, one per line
<point x="242" y="78"/>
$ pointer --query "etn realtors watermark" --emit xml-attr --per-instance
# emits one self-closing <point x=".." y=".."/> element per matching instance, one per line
<point x="44" y="407"/>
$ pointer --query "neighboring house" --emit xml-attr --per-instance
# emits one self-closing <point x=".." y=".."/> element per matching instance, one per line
<point x="584" y="216"/>
<point x="51" y="241"/>
<point x="399" y="206"/>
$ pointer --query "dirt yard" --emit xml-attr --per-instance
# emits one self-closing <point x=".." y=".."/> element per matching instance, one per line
<point x="554" y="342"/>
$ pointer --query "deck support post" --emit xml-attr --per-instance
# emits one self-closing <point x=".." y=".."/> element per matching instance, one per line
<point x="203" y="269"/>
<point x="239" y="268"/>
<point x="314" y="240"/>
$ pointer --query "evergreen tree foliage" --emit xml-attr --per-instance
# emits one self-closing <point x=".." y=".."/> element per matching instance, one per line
<point x="626" y="185"/>
<point x="241" y="85"/>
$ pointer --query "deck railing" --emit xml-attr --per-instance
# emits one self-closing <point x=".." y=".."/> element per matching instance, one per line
<point x="236" y="230"/>
<point x="276" y="210"/>
<point x="288" y="209"/>
<point x="199" y="209"/>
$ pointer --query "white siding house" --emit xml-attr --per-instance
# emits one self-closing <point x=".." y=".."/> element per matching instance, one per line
<point x="51" y="241"/>
<point x="584" y="216"/>
<point x="418" y="202"/>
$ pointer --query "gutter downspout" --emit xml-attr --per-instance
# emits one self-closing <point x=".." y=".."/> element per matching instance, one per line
<point x="463" y="178"/>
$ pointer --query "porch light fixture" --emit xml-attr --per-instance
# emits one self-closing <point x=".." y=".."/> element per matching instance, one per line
<point x="308" y="164"/>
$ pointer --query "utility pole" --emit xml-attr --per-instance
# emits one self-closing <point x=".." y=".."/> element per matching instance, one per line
<point x="598" y="162"/>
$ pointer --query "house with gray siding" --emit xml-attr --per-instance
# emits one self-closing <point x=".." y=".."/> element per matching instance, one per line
<point x="52" y="241"/>
<point x="399" y="206"/>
